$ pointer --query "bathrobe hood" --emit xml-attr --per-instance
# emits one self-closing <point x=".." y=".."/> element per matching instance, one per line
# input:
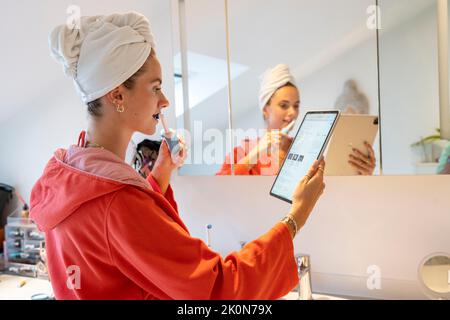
<point x="76" y="176"/>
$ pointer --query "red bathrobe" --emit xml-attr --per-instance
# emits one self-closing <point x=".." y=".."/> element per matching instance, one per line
<point x="110" y="234"/>
<point x="267" y="164"/>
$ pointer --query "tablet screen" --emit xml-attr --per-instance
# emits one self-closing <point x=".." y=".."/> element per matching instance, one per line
<point x="308" y="145"/>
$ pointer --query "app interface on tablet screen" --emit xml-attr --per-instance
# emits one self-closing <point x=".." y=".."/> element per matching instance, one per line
<point x="304" y="151"/>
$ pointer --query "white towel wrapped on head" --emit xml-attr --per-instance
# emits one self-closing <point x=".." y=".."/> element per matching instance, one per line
<point x="102" y="52"/>
<point x="272" y="80"/>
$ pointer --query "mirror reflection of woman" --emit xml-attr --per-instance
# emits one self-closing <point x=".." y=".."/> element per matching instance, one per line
<point x="279" y="102"/>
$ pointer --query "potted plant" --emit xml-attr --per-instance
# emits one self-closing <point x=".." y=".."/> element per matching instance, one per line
<point x="429" y="147"/>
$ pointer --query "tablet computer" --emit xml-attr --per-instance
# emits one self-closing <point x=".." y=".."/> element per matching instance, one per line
<point x="351" y="131"/>
<point x="308" y="145"/>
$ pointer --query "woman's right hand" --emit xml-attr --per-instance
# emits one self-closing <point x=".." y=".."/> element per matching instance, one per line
<point x="307" y="193"/>
<point x="272" y="141"/>
<point x="167" y="162"/>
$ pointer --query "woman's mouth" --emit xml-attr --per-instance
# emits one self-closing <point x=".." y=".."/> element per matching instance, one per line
<point x="156" y="116"/>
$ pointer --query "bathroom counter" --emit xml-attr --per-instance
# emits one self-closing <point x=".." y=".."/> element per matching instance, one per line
<point x="11" y="289"/>
<point x="294" y="296"/>
<point x="22" y="288"/>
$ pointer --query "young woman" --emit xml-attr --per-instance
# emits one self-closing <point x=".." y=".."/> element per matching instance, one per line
<point x="110" y="233"/>
<point x="279" y="102"/>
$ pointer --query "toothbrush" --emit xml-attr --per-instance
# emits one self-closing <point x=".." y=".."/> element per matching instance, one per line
<point x="288" y="128"/>
<point x="168" y="135"/>
<point x="208" y="235"/>
<point x="167" y="131"/>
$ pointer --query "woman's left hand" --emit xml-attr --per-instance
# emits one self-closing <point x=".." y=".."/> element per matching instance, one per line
<point x="167" y="162"/>
<point x="363" y="163"/>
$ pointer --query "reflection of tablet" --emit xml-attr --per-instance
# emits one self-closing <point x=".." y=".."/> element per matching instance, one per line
<point x="308" y="145"/>
<point x="351" y="132"/>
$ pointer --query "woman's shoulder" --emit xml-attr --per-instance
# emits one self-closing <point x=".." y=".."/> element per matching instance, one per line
<point x="131" y="202"/>
<point x="134" y="198"/>
<point x="132" y="194"/>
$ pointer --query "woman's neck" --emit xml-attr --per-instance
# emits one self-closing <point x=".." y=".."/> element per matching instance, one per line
<point x="270" y="128"/>
<point x="110" y="137"/>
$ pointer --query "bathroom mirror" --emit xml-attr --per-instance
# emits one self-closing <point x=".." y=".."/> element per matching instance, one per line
<point x="379" y="57"/>
<point x="434" y="276"/>
<point x="413" y="62"/>
<point x="330" y="49"/>
<point x="201" y="83"/>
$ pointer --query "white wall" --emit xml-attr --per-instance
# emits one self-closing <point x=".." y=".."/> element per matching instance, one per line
<point x="392" y="222"/>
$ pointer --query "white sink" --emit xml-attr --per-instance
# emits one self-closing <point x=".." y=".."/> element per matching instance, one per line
<point x="294" y="296"/>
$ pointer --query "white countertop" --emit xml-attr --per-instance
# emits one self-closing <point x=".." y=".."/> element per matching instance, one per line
<point x="11" y="289"/>
<point x="294" y="296"/>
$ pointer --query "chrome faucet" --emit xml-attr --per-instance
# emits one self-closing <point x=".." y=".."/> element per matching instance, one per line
<point x="304" y="276"/>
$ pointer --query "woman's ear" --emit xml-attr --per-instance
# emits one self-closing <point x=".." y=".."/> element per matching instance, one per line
<point x="265" y="111"/>
<point x="115" y="96"/>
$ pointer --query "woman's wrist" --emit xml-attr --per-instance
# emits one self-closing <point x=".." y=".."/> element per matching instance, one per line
<point x="297" y="212"/>
<point x="162" y="177"/>
<point x="291" y="224"/>
<point x="291" y="230"/>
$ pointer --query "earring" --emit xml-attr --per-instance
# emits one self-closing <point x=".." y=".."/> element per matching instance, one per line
<point x="120" y="108"/>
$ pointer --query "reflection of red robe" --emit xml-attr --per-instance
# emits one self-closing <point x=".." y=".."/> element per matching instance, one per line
<point x="266" y="165"/>
<point x="127" y="240"/>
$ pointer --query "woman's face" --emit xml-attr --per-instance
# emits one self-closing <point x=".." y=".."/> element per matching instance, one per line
<point x="283" y="108"/>
<point x="145" y="100"/>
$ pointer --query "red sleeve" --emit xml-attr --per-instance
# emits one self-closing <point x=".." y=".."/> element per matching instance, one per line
<point x="169" y="195"/>
<point x="155" y="252"/>
<point x="226" y="169"/>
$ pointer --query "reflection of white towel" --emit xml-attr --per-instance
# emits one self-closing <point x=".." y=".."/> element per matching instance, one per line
<point x="102" y="52"/>
<point x="272" y="80"/>
<point x="352" y="100"/>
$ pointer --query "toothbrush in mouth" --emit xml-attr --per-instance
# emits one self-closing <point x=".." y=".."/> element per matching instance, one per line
<point x="288" y="128"/>
<point x="169" y="136"/>
<point x="167" y="131"/>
